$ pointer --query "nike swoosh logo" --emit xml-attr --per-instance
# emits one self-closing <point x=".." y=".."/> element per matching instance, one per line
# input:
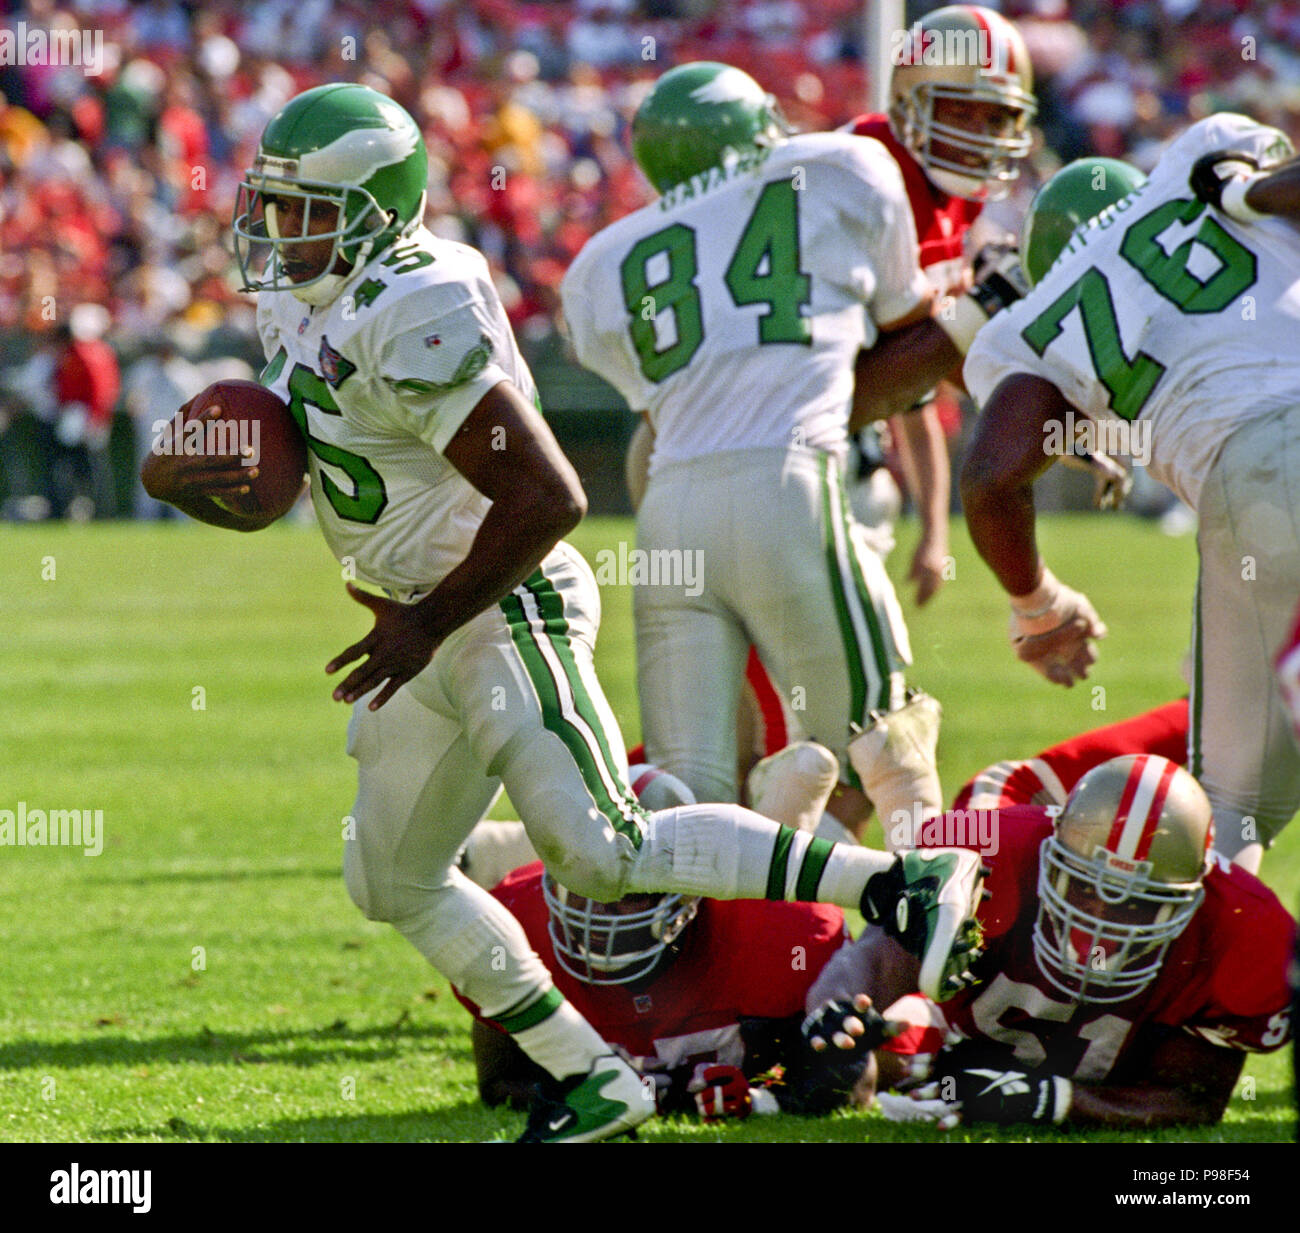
<point x="558" y="1123"/>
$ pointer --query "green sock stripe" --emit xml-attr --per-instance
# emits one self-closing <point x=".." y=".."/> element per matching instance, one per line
<point x="551" y="605"/>
<point x="545" y="1006"/>
<point x="527" y="639"/>
<point x="880" y="653"/>
<point x="810" y="871"/>
<point x="780" y="859"/>
<point x="1198" y="693"/>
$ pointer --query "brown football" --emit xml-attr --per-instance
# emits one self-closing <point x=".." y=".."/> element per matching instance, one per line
<point x="252" y="417"/>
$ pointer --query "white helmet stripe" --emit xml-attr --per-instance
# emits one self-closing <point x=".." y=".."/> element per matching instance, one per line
<point x="1140" y="807"/>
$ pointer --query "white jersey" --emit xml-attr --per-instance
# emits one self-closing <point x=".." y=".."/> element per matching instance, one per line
<point x="380" y="381"/>
<point x="1167" y="310"/>
<point x="732" y="309"/>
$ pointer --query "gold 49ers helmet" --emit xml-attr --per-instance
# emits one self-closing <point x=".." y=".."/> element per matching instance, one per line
<point x="963" y="54"/>
<point x="624" y="942"/>
<point x="1120" y="877"/>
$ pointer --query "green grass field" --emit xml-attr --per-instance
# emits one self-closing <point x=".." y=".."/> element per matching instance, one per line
<point x="207" y="978"/>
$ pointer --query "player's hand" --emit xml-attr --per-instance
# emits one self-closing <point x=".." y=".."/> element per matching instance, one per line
<point x="172" y="475"/>
<point x="720" y="1092"/>
<point x="927" y="570"/>
<point x="399" y="648"/>
<point x="1112" y="481"/>
<point x="1004" y="1097"/>
<point x="1221" y="178"/>
<point x="851" y="1027"/>
<point x="1052" y="629"/>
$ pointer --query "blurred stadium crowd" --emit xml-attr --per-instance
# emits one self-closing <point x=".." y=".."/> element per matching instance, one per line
<point x="118" y="296"/>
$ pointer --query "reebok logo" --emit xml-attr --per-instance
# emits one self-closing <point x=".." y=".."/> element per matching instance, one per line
<point x="120" y="1186"/>
<point x="1009" y="1081"/>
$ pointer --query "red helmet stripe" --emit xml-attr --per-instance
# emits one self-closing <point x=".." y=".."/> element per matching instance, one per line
<point x="1001" y="49"/>
<point x="1115" y="839"/>
<point x="644" y="779"/>
<point x="1140" y="806"/>
<point x="1155" y="810"/>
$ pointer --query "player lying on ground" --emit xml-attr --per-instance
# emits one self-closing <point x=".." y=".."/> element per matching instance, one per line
<point x="435" y="477"/>
<point x="705" y="997"/>
<point x="1170" y="316"/>
<point x="1126" y="970"/>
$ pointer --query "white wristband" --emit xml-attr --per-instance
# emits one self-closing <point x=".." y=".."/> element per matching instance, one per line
<point x="1039" y="602"/>
<point x="1064" y="1098"/>
<point x="961" y="319"/>
<point x="1232" y="201"/>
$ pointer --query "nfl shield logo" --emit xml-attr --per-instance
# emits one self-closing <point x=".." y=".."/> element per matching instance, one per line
<point x="329" y="361"/>
<point x="333" y="366"/>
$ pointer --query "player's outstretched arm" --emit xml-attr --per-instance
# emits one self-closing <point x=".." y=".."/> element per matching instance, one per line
<point x="1005" y="456"/>
<point x="1051" y="625"/>
<point x="923" y="455"/>
<point x="193" y="483"/>
<point x="1190" y="1083"/>
<point x="508" y="453"/>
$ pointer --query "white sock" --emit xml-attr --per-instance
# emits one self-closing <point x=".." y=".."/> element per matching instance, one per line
<point x="562" y="1043"/>
<point x="726" y="852"/>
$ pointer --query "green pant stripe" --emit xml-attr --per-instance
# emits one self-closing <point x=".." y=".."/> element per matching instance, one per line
<point x="520" y="1021"/>
<point x="780" y="859"/>
<point x="848" y="636"/>
<point x="810" y="871"/>
<point x="1198" y="694"/>
<point x="551" y="605"/>
<point x="620" y="814"/>
<point x="879" y="654"/>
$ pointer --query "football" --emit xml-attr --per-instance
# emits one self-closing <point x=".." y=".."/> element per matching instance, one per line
<point x="254" y="419"/>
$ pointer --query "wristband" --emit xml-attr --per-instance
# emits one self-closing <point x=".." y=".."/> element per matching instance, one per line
<point x="1062" y="1098"/>
<point x="963" y="322"/>
<point x="1038" y="605"/>
<point x="1232" y="201"/>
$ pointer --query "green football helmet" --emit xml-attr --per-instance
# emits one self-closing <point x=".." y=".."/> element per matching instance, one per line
<point x="1075" y="195"/>
<point x="341" y="147"/>
<point x="698" y="116"/>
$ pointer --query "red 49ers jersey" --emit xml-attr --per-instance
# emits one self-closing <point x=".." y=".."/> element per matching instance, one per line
<point x="1049" y="777"/>
<point x="1223" y="979"/>
<point x="941" y="221"/>
<point x="738" y="959"/>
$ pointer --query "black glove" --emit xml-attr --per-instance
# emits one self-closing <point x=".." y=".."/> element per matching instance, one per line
<point x="855" y="1028"/>
<point x="986" y="1094"/>
<point x="999" y="279"/>
<point x="1212" y="172"/>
